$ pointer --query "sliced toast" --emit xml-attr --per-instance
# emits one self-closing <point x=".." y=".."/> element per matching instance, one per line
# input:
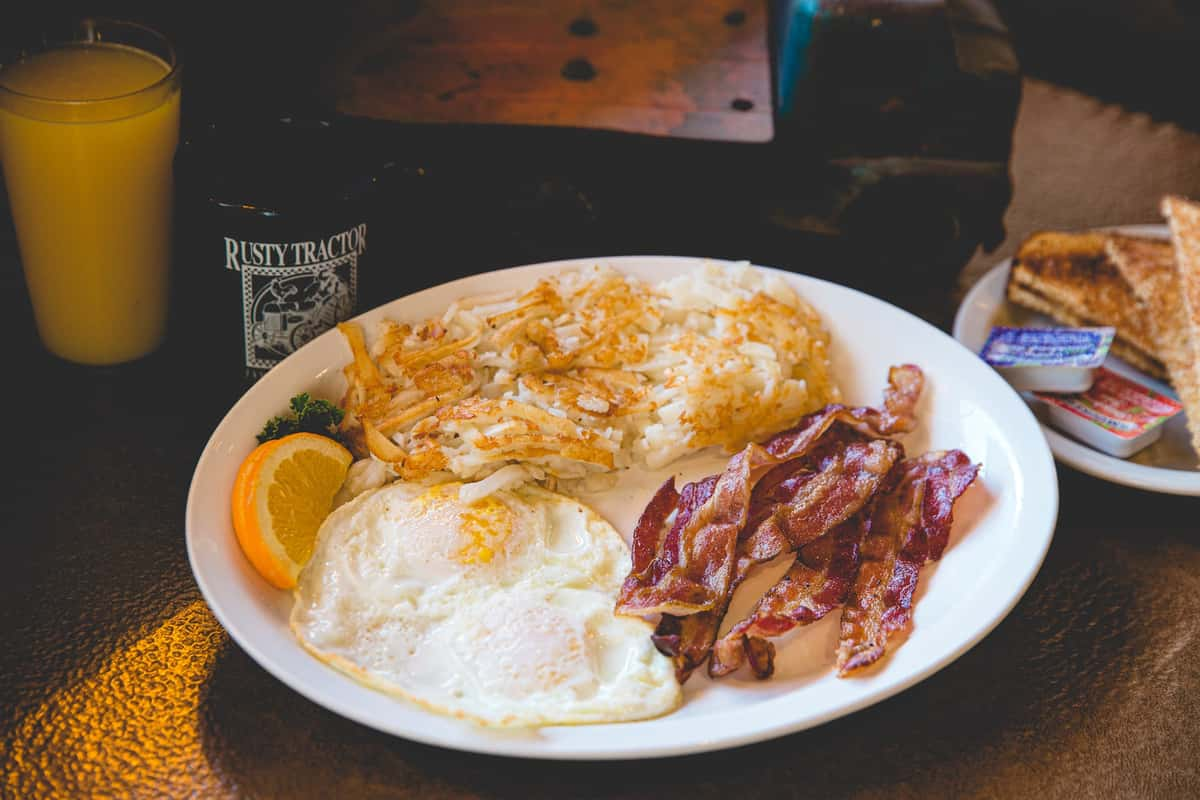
<point x="1184" y="219"/>
<point x="1070" y="277"/>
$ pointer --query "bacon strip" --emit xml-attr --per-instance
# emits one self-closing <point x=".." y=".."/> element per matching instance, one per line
<point x="688" y="639"/>
<point x="845" y="477"/>
<point x="693" y="496"/>
<point x="910" y="524"/>
<point x="844" y="485"/>
<point x="649" y="533"/>
<point x="770" y="499"/>
<point x="949" y="478"/>
<point x="817" y="583"/>
<point x="898" y="415"/>
<point x="695" y="567"/>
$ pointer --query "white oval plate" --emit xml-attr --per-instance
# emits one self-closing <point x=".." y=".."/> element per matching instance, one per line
<point x="1169" y="465"/>
<point x="1004" y="525"/>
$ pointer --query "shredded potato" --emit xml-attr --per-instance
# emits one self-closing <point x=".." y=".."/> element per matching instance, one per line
<point x="585" y="373"/>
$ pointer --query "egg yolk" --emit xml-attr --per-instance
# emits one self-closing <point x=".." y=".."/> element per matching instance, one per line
<point x="486" y="523"/>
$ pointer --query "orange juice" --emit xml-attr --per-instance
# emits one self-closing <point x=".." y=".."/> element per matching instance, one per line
<point x="87" y="137"/>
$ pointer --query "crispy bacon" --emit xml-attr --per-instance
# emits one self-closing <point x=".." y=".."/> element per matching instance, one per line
<point x="694" y="547"/>
<point x="898" y="415"/>
<point x="695" y="565"/>
<point x="688" y="639"/>
<point x="845" y="478"/>
<point x="777" y="486"/>
<point x="647" y="536"/>
<point x="693" y="496"/>
<point x="825" y="491"/>
<point x="949" y="477"/>
<point x="910" y="523"/>
<point x="816" y="584"/>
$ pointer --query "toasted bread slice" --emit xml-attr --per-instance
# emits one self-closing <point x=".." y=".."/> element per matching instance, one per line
<point x="1149" y="267"/>
<point x="1070" y="277"/>
<point x="1120" y="348"/>
<point x="1184" y="218"/>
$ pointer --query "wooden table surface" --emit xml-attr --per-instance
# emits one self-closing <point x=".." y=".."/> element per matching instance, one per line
<point x="684" y="68"/>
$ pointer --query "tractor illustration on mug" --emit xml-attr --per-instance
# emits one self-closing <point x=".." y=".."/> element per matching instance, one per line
<point x="290" y="311"/>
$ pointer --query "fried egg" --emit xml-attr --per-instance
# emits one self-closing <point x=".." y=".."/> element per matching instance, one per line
<point x="498" y="611"/>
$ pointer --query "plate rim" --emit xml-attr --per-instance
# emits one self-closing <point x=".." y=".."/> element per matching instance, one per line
<point x="1047" y="517"/>
<point x="1163" y="480"/>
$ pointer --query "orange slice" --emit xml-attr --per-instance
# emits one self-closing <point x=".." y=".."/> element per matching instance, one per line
<point x="282" y="493"/>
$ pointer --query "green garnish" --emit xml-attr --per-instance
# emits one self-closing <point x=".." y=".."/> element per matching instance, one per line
<point x="308" y="416"/>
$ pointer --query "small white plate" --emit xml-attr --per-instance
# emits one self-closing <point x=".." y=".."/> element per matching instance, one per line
<point x="1169" y="465"/>
<point x="1002" y="529"/>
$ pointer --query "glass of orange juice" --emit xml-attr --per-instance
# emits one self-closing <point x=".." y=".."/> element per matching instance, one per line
<point x="89" y="122"/>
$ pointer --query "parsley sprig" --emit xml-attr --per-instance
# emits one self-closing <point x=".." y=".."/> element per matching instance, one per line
<point x="307" y="415"/>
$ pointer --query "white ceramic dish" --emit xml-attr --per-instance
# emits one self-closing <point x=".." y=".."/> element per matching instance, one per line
<point x="1003" y="527"/>
<point x="1167" y="466"/>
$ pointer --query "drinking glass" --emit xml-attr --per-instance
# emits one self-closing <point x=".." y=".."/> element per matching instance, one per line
<point x="89" y="122"/>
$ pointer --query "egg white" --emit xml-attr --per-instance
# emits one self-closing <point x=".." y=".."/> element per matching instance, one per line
<point x="498" y="611"/>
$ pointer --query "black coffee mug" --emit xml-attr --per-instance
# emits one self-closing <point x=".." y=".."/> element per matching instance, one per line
<point x="278" y="217"/>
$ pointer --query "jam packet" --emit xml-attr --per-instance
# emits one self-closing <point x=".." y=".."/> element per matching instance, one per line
<point x="1116" y="415"/>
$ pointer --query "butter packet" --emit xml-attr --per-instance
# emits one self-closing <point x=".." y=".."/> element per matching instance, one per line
<point x="1061" y="360"/>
